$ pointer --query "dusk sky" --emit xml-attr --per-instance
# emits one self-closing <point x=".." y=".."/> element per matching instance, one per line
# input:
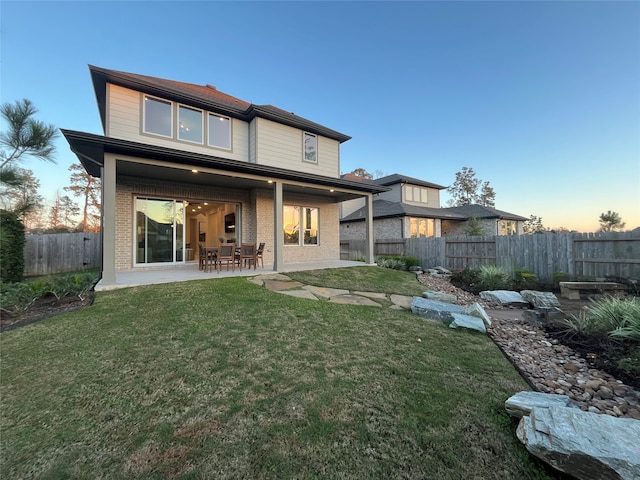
<point x="541" y="99"/>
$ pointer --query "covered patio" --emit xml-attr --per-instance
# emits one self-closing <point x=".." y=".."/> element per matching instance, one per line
<point x="190" y="271"/>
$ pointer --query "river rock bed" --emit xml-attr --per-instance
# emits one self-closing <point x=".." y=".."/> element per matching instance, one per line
<point x="546" y="364"/>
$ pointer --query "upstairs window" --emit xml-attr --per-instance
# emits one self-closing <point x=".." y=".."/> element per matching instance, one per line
<point x="310" y="146"/>
<point x="157" y="117"/>
<point x="219" y="131"/>
<point x="416" y="194"/>
<point x="189" y="124"/>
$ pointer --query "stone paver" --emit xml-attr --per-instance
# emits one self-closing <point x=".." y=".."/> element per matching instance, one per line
<point x="277" y="285"/>
<point x="298" y="293"/>
<point x="354" y="300"/>
<point x="403" y="301"/>
<point x="325" y="292"/>
<point x="378" y="295"/>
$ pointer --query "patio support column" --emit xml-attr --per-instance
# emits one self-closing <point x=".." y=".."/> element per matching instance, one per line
<point x="278" y="238"/>
<point x="368" y="225"/>
<point x="108" y="221"/>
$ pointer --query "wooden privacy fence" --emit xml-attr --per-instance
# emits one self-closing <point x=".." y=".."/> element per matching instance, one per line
<point x="595" y="255"/>
<point x="60" y="252"/>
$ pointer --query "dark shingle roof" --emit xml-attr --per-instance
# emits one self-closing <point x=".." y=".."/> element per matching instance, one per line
<point x="397" y="178"/>
<point x="386" y="209"/>
<point x="202" y="96"/>
<point x="480" y="211"/>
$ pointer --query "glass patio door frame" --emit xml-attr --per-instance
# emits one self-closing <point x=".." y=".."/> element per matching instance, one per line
<point x="141" y="233"/>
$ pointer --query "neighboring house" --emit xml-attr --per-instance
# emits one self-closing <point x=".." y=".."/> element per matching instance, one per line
<point x="183" y="164"/>
<point x="411" y="209"/>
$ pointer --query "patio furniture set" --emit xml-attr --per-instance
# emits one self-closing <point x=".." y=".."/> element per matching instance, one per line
<point x="229" y="254"/>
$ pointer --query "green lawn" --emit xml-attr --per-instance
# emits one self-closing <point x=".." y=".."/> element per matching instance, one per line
<point x="221" y="378"/>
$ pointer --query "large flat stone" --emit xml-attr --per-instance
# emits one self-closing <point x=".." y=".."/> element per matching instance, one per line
<point x="467" y="321"/>
<point x="582" y="444"/>
<point x="325" y="292"/>
<point x="440" y="296"/>
<point x="522" y="403"/>
<point x="505" y="298"/>
<point x="402" y="301"/>
<point x="541" y="299"/>
<point x="277" y="285"/>
<point x="354" y="300"/>
<point x="298" y="294"/>
<point x="435" y="310"/>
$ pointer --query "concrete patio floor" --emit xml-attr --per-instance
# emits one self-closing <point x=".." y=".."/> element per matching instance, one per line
<point x="190" y="271"/>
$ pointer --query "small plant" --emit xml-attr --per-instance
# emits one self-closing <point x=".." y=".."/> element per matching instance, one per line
<point x="360" y="259"/>
<point x="524" y="279"/>
<point x="397" y="262"/>
<point x="492" y="277"/>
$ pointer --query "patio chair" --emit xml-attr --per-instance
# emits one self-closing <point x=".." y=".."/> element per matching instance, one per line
<point x="247" y="255"/>
<point x="259" y="253"/>
<point x="226" y="254"/>
<point x="206" y="258"/>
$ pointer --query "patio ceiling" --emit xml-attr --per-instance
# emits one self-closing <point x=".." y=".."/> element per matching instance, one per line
<point x="179" y="174"/>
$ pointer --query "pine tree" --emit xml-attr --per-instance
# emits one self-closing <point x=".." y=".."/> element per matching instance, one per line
<point x="610" y="222"/>
<point x="86" y="187"/>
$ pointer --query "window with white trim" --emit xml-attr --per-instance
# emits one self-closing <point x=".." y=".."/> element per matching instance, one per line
<point x="310" y="147"/>
<point x="219" y="131"/>
<point x="300" y="219"/>
<point x="157" y="117"/>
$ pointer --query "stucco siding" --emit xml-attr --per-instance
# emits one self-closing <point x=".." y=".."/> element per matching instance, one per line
<point x="124" y="121"/>
<point x="281" y="146"/>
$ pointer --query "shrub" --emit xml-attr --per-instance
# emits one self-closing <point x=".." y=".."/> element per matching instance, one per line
<point x="394" y="262"/>
<point x="17" y="297"/>
<point x="525" y="280"/>
<point x="608" y="316"/>
<point x="465" y="279"/>
<point x="397" y="262"/>
<point x="491" y="277"/>
<point x="12" y="242"/>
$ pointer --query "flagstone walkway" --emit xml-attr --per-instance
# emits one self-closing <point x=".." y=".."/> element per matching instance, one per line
<point x="280" y="283"/>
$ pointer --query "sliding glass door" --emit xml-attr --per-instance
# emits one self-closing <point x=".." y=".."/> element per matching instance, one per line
<point x="159" y="227"/>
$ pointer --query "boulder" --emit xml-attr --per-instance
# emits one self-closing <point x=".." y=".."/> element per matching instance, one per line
<point x="476" y="310"/>
<point x="582" y="444"/>
<point x="434" y="310"/>
<point x="540" y="317"/>
<point x="505" y="298"/>
<point x="522" y="403"/>
<point x="440" y="296"/>
<point x="467" y="321"/>
<point x="540" y="299"/>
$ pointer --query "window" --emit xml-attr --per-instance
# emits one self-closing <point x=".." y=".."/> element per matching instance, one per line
<point x="421" y="227"/>
<point x="297" y="219"/>
<point x="219" y="131"/>
<point x="157" y="117"/>
<point x="416" y="194"/>
<point x="508" y="227"/>
<point x="310" y="147"/>
<point x="189" y="124"/>
<point x="159" y="230"/>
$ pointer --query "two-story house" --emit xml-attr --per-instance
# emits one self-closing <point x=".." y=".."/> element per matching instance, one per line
<point x="411" y="209"/>
<point x="183" y="164"/>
